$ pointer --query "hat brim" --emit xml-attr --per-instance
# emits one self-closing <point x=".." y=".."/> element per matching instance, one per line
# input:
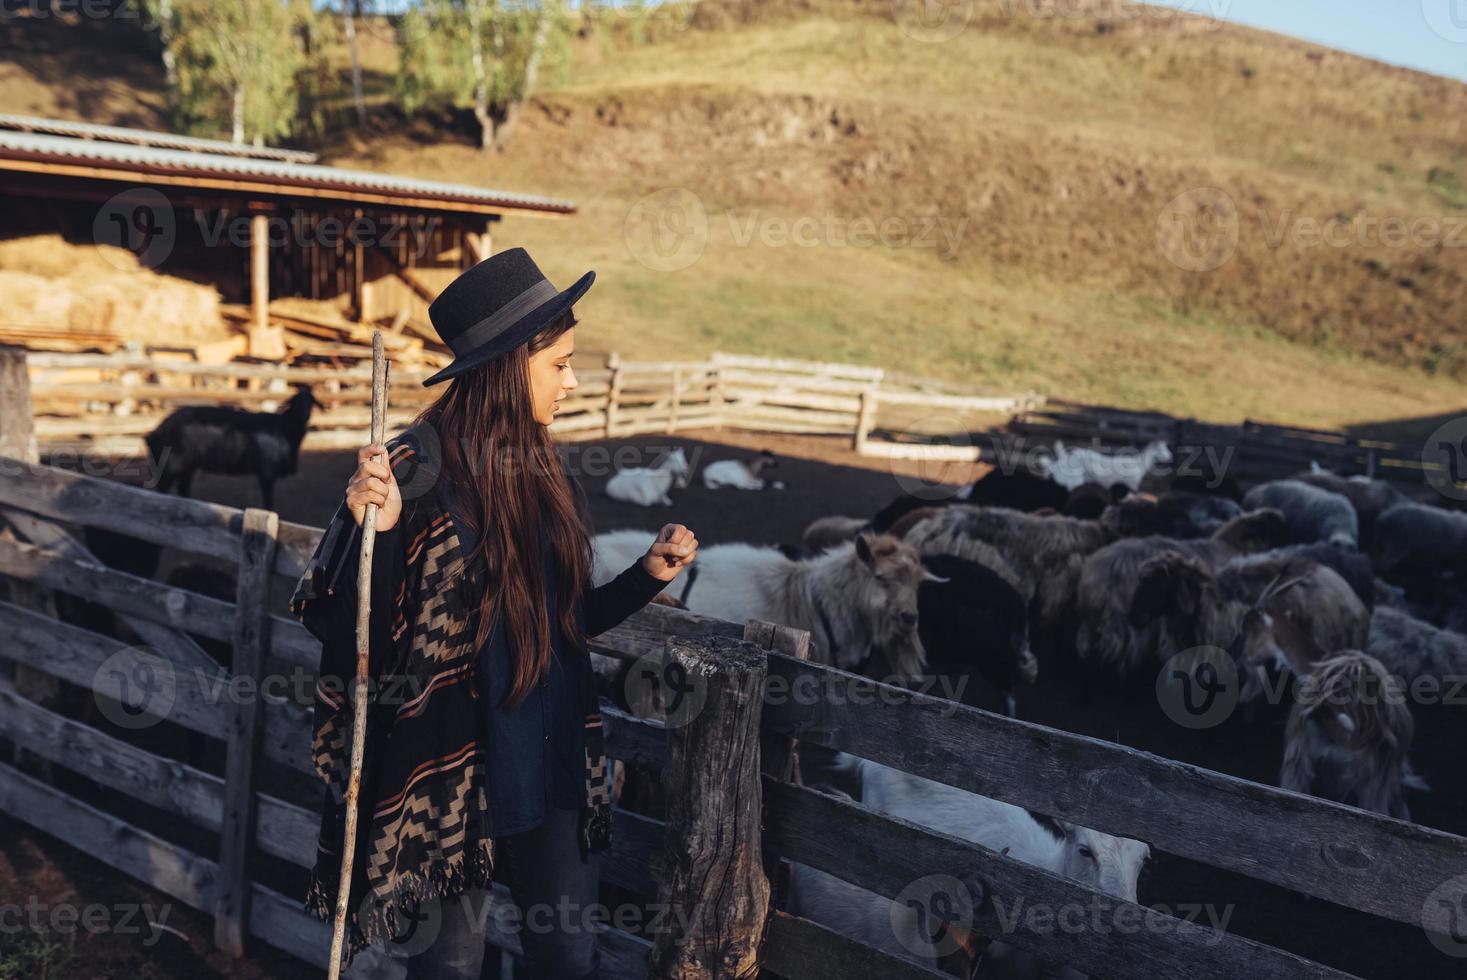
<point x="512" y="337"/>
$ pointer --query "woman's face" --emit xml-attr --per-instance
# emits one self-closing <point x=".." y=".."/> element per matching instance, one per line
<point x="551" y="376"/>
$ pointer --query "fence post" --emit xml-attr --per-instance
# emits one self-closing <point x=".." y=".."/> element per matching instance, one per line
<point x="713" y="882"/>
<point x="677" y="392"/>
<point x="18" y="441"/>
<point x="245" y="712"/>
<point x="866" y="419"/>
<point x="613" y="390"/>
<point x="779" y="753"/>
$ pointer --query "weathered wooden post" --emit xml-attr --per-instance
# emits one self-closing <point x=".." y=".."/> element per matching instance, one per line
<point x="613" y="392"/>
<point x="245" y="712"/>
<point x="714" y="887"/>
<point x="18" y="441"/>
<point x="866" y="419"/>
<point x="779" y="754"/>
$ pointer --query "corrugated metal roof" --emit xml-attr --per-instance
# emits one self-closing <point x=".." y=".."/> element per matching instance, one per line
<point x="148" y="137"/>
<point x="321" y="181"/>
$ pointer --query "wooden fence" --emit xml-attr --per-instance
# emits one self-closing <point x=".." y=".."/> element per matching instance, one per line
<point x="735" y="814"/>
<point x="105" y="403"/>
<point x="1252" y="451"/>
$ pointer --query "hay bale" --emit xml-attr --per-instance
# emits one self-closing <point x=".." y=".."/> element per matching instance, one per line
<point x="52" y="284"/>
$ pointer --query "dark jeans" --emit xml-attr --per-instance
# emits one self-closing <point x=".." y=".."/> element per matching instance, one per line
<point x="555" y="897"/>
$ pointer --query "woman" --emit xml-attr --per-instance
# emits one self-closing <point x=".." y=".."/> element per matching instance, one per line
<point x="484" y="757"/>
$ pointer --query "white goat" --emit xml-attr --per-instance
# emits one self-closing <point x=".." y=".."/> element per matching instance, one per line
<point x="737" y="473"/>
<point x="1102" y="862"/>
<point x="648" y="485"/>
<point x="854" y="599"/>
<point x="1072" y="467"/>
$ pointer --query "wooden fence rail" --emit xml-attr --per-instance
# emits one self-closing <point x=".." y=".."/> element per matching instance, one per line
<point x="107" y="402"/>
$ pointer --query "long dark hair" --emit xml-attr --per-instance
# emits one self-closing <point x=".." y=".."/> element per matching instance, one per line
<point x="505" y="478"/>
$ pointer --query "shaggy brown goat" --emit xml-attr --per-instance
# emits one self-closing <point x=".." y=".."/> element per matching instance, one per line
<point x="1348" y="736"/>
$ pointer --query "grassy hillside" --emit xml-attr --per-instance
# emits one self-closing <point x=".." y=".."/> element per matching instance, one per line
<point x="725" y="175"/>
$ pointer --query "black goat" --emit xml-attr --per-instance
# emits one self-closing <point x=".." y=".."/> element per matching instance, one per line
<point x="975" y="622"/>
<point x="224" y="439"/>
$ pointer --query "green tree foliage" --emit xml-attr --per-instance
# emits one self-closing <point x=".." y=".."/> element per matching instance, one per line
<point x="251" y="68"/>
<point x="484" y="55"/>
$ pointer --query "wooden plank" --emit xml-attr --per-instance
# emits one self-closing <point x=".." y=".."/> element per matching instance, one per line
<point x="141" y="602"/>
<point x="713" y="883"/>
<point x="799" y="949"/>
<point x="242" y="730"/>
<point x="147" y="684"/>
<point x="282" y="830"/>
<point x="178" y="522"/>
<point x="635" y="740"/>
<point x="635" y="862"/>
<point x="982" y="889"/>
<point x="1358" y="859"/>
<point x="172" y="870"/>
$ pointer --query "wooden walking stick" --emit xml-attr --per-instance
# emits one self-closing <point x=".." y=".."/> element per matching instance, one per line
<point x="359" y="696"/>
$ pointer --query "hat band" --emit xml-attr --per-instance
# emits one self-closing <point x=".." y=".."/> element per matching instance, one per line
<point x="512" y="312"/>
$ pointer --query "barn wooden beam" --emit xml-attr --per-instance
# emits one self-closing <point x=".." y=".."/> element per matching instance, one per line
<point x="266" y="341"/>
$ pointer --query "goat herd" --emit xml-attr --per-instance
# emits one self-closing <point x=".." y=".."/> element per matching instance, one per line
<point x="1333" y="600"/>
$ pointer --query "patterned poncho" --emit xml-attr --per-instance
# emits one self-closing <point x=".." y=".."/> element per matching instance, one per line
<point x="419" y="832"/>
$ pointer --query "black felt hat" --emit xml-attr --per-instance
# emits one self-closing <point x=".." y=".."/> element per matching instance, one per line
<point x="496" y="306"/>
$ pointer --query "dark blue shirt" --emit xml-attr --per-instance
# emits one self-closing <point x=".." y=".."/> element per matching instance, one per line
<point x="536" y="751"/>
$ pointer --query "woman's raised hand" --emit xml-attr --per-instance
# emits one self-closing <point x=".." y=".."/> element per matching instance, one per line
<point x="373" y="483"/>
<point x="674" y="550"/>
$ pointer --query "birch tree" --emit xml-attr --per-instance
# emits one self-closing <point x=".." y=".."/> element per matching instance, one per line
<point x="483" y="55"/>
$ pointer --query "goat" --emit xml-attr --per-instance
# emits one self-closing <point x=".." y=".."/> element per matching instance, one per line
<point x="1020" y="490"/>
<point x="974" y="620"/>
<point x="1420" y="535"/>
<point x="739" y="474"/>
<point x="228" y="440"/>
<point x="855" y="600"/>
<point x="1411" y="648"/>
<point x="1173" y="514"/>
<point x="1142" y="600"/>
<point x="1089" y="500"/>
<point x="1035" y="547"/>
<point x="1105" y="863"/>
<point x="1370" y="498"/>
<point x="1348" y="735"/>
<point x="1312" y="513"/>
<point x="824" y="533"/>
<point x="1352" y="566"/>
<point x="648" y="485"/>
<point x="1072" y="467"/>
